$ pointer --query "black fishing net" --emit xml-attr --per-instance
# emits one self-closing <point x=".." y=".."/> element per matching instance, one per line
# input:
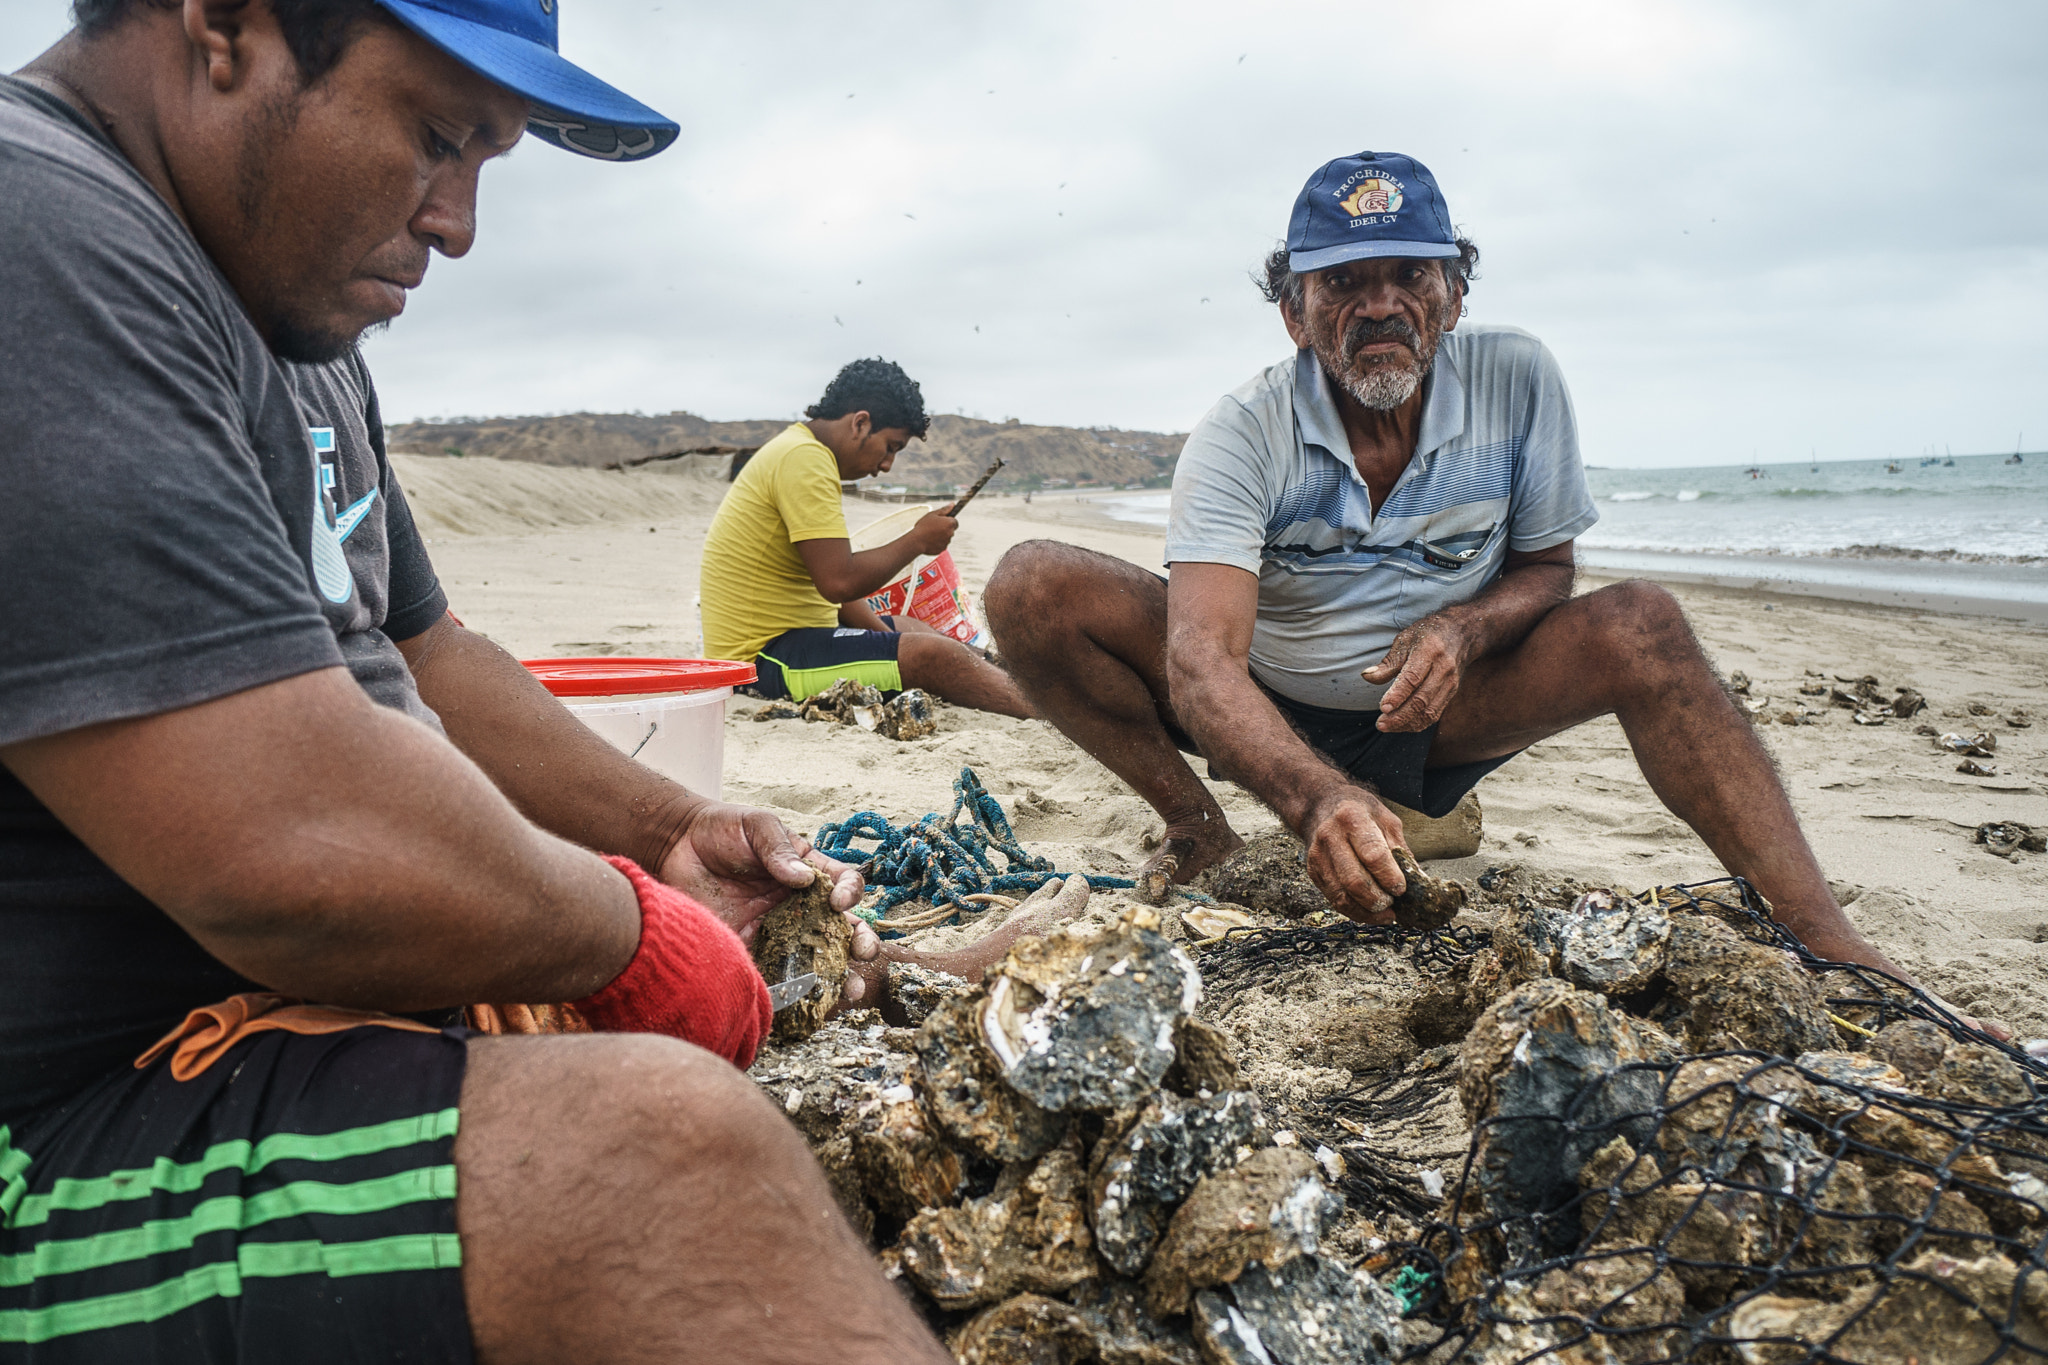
<point x="1271" y="956"/>
<point x="1886" y="1206"/>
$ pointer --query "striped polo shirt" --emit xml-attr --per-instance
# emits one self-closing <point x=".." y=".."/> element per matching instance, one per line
<point x="1266" y="484"/>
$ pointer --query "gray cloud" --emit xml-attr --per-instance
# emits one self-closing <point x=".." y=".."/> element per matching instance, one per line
<point x="1740" y="226"/>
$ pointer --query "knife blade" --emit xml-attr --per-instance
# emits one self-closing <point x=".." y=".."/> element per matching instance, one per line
<point x="783" y="994"/>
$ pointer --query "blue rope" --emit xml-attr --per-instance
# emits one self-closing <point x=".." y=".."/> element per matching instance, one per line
<point x="943" y="861"/>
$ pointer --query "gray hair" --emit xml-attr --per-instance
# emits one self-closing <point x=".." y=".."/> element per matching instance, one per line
<point x="1280" y="284"/>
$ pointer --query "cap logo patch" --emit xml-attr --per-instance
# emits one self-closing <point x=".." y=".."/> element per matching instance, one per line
<point x="1373" y="194"/>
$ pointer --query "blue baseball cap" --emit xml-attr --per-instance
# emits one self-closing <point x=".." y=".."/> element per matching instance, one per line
<point x="1368" y="205"/>
<point x="513" y="42"/>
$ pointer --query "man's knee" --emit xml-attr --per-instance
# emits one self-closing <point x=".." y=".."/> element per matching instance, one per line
<point x="656" y="1097"/>
<point x="1045" y="583"/>
<point x="1638" y="614"/>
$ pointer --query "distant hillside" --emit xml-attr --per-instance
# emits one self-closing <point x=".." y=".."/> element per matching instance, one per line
<point x="954" y="452"/>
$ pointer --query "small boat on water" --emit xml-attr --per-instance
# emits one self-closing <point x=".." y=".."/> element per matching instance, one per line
<point x="1891" y="466"/>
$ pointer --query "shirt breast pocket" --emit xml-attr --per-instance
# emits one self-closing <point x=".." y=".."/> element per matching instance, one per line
<point x="1447" y="566"/>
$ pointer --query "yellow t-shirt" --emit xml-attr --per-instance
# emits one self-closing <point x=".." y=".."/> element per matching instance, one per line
<point x="753" y="584"/>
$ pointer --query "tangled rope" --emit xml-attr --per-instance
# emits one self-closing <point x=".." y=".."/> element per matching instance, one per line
<point x="947" y="864"/>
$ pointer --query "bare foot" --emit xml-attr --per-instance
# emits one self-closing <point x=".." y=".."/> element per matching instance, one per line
<point x="1053" y="904"/>
<point x="1852" y="946"/>
<point x="1189" y="848"/>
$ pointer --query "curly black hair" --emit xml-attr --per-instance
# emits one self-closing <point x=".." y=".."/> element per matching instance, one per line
<point x="1280" y="284"/>
<point x="317" y="31"/>
<point x="879" y="388"/>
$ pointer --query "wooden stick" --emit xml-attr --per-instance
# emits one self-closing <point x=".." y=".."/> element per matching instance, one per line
<point x="979" y="484"/>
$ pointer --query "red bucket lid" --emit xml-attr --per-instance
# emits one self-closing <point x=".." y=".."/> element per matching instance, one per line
<point x="626" y="676"/>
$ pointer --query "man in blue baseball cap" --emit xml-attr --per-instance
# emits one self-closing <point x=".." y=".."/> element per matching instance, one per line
<point x="1370" y="600"/>
<point x="269" y="816"/>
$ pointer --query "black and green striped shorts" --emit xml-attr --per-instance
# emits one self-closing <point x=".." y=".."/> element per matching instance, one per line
<point x="295" y="1202"/>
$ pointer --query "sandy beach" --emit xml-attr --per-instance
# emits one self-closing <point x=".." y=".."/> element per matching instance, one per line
<point x="552" y="561"/>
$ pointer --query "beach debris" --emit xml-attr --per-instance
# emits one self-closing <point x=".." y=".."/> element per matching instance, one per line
<point x="846" y="1088"/>
<point x="1269" y="875"/>
<point x="1425" y="902"/>
<point x="1738" y="681"/>
<point x="1148" y="1160"/>
<point x="1311" y="1311"/>
<point x="1102" y="1323"/>
<point x="1908" y="703"/>
<point x="1726" y="991"/>
<point x="1754" y="706"/>
<point x="1266" y="1210"/>
<point x="842" y="702"/>
<point x="907" y="715"/>
<point x="2019" y="718"/>
<point x="1204" y="1061"/>
<point x="1970" y="767"/>
<point x="962" y="1085"/>
<point x="1794" y="718"/>
<point x="1208" y="923"/>
<point x="1155" y="882"/>
<point x="1927" y="730"/>
<point x="1979" y="745"/>
<point x="1085" y="1021"/>
<point x="2004" y="836"/>
<point x="803" y="935"/>
<point x="1978" y="708"/>
<point x="1937" y="1304"/>
<point x="1520" y="1071"/>
<point x="1028" y="1234"/>
<point x="1871" y="717"/>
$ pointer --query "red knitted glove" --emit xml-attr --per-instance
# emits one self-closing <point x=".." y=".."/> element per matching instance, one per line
<point x="691" y="978"/>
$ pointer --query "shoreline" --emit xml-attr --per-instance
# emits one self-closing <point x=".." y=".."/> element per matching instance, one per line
<point x="2001" y="590"/>
<point x="2005" y="590"/>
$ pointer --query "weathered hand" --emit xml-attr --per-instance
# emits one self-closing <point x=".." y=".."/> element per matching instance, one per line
<point x="741" y="862"/>
<point x="1351" y="838"/>
<point x="1425" y="664"/>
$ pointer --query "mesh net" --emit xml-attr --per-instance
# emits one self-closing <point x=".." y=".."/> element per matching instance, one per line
<point x="1743" y="1207"/>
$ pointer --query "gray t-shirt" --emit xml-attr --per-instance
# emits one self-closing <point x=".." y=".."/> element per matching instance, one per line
<point x="1266" y="484"/>
<point x="167" y="536"/>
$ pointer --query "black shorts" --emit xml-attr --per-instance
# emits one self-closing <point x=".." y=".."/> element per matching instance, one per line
<point x="294" y="1202"/>
<point x="804" y="662"/>
<point x="1394" y="765"/>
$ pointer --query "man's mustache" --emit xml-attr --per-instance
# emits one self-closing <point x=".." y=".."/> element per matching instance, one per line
<point x="1366" y="332"/>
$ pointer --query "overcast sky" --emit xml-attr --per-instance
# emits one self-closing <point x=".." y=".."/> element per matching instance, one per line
<point x="1742" y="228"/>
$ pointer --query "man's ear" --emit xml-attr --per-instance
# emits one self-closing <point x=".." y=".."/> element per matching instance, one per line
<point x="1296" y="331"/>
<point x="863" y="426"/>
<point x="215" y="30"/>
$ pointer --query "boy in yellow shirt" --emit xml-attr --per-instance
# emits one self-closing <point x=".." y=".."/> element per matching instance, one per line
<point x="781" y="585"/>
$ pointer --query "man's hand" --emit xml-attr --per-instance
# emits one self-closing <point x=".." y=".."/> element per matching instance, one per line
<point x="1425" y="664"/>
<point x="934" y="531"/>
<point x="1351" y="838"/>
<point x="741" y="862"/>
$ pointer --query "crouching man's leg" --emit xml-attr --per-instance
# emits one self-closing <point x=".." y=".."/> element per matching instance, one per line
<point x="628" y="1198"/>
<point x="1084" y="635"/>
<point x="1627" y="650"/>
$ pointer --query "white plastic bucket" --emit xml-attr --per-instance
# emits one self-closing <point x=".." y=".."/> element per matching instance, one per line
<point x="666" y="713"/>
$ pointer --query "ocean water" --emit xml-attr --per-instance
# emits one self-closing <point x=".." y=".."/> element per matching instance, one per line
<point x="1980" y="509"/>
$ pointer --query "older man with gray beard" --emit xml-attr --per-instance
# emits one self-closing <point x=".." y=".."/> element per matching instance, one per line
<point x="1371" y="591"/>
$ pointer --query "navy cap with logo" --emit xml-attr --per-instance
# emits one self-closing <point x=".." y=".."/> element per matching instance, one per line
<point x="513" y="42"/>
<point x="1371" y="204"/>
